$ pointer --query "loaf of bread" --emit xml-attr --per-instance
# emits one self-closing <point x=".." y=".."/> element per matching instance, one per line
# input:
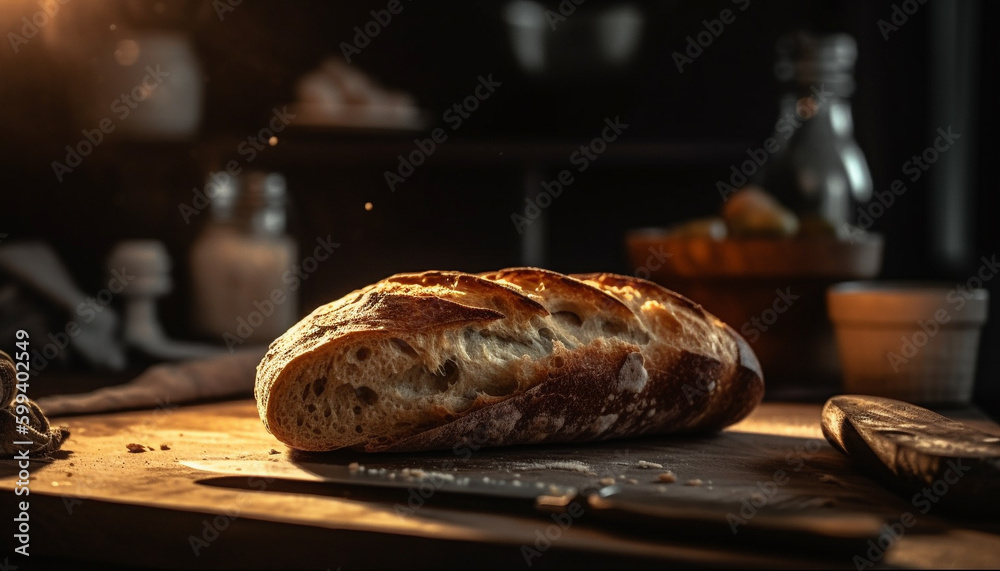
<point x="438" y="360"/>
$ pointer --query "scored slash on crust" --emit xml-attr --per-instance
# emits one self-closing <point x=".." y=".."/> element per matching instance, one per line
<point x="411" y="362"/>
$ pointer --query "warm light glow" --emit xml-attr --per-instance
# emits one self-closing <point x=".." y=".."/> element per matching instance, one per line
<point x="368" y="206"/>
<point x="272" y="141"/>
<point x="127" y="52"/>
<point x="806" y="107"/>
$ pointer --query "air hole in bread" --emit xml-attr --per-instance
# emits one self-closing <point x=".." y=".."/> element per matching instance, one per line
<point x="448" y="374"/>
<point x="568" y="318"/>
<point x="419" y="381"/>
<point x="464" y="402"/>
<point x="356" y="409"/>
<point x="326" y="411"/>
<point x="319" y="385"/>
<point x="358" y="429"/>
<point x="317" y="431"/>
<point x="500" y="387"/>
<point x="557" y="362"/>
<point x="613" y="327"/>
<point x="311" y="408"/>
<point x="305" y="391"/>
<point x="545" y="337"/>
<point x="405" y="347"/>
<point x="366" y="395"/>
<point x="343" y="395"/>
<point x="363" y="353"/>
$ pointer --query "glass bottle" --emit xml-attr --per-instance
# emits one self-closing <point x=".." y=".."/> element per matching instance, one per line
<point x="818" y="171"/>
<point x="241" y="261"/>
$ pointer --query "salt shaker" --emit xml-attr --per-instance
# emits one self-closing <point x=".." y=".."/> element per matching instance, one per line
<point x="241" y="261"/>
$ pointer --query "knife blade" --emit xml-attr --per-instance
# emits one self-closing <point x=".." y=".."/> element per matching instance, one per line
<point x="448" y="482"/>
<point x="697" y="520"/>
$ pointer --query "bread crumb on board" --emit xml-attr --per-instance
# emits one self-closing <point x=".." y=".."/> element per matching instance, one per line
<point x="273" y="451"/>
<point x="569" y="465"/>
<point x="645" y="464"/>
<point x="164" y="447"/>
<point x="135" y="448"/>
<point x="606" y="481"/>
<point x="694" y="482"/>
<point x="667" y="477"/>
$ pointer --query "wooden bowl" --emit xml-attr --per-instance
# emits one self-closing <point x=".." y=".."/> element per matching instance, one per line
<point x="771" y="291"/>
<point x="756" y="257"/>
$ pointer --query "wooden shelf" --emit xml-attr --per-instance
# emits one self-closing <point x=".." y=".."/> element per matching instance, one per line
<point x="309" y="147"/>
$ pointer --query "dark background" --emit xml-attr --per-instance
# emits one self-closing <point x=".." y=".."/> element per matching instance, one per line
<point x="455" y="211"/>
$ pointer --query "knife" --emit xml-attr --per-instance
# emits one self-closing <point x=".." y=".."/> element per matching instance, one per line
<point x="699" y="520"/>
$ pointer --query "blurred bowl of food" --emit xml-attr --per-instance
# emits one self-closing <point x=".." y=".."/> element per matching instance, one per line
<point x="766" y="275"/>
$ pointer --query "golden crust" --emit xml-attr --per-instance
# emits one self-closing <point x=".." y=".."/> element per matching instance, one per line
<point x="665" y="365"/>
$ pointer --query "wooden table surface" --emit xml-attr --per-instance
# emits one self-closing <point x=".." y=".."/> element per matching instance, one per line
<point x="96" y="501"/>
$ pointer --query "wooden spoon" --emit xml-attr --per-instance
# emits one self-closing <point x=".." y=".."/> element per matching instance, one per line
<point x="916" y="451"/>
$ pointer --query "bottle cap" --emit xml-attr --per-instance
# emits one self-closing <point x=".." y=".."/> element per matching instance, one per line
<point x="805" y="61"/>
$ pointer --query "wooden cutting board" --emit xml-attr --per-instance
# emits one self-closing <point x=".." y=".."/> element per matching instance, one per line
<point x="97" y="500"/>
